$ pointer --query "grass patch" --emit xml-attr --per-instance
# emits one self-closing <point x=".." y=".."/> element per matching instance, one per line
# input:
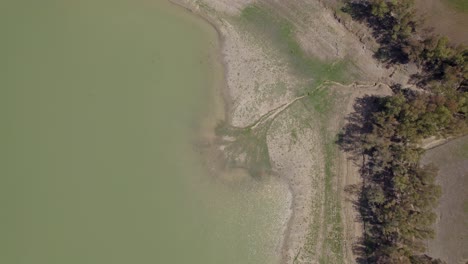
<point x="324" y="103"/>
<point x="321" y="103"/>
<point x="462" y="150"/>
<point x="319" y="100"/>
<point x="332" y="251"/>
<point x="278" y="34"/>
<point x="251" y="145"/>
<point x="294" y="135"/>
<point x="460" y="5"/>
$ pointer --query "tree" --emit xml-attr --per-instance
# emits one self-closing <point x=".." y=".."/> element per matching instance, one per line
<point x="379" y="8"/>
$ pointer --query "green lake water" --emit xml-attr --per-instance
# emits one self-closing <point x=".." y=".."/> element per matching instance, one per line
<point x="100" y="105"/>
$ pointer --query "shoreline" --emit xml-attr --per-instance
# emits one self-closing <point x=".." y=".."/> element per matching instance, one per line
<point x="224" y="91"/>
<point x="226" y="100"/>
<point x="293" y="133"/>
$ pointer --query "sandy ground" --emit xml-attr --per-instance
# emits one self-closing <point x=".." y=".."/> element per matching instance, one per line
<point x="451" y="241"/>
<point x="268" y="115"/>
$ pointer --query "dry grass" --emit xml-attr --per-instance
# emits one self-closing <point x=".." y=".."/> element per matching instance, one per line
<point x="451" y="241"/>
<point x="447" y="17"/>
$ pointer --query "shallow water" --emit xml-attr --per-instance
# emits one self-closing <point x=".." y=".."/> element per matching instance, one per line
<point x="100" y="103"/>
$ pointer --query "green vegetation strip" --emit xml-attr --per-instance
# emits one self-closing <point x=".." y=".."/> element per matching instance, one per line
<point x="460" y="5"/>
<point x="321" y="105"/>
<point x="279" y="34"/>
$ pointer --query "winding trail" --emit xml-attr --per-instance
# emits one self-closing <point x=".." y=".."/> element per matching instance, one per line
<point x="274" y="112"/>
<point x="278" y="110"/>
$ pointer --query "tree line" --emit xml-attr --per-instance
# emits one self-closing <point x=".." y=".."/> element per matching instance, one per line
<point x="398" y="194"/>
<point x="403" y="39"/>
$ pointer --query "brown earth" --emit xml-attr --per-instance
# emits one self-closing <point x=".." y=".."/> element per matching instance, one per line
<point x="445" y="20"/>
<point x="451" y="241"/>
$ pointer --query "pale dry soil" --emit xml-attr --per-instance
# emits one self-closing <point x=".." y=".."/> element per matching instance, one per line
<point x="292" y="73"/>
<point x="451" y="240"/>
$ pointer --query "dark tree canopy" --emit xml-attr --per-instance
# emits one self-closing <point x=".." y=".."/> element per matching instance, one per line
<point x="398" y="195"/>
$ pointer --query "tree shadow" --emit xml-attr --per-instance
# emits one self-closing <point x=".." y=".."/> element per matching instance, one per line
<point x="358" y="124"/>
<point x="391" y="49"/>
<point x="351" y="140"/>
<point x="359" y="11"/>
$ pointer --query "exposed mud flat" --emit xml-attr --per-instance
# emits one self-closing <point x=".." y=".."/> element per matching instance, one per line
<point x="292" y="73"/>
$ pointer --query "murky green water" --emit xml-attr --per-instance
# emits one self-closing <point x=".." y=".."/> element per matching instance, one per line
<point x="100" y="103"/>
